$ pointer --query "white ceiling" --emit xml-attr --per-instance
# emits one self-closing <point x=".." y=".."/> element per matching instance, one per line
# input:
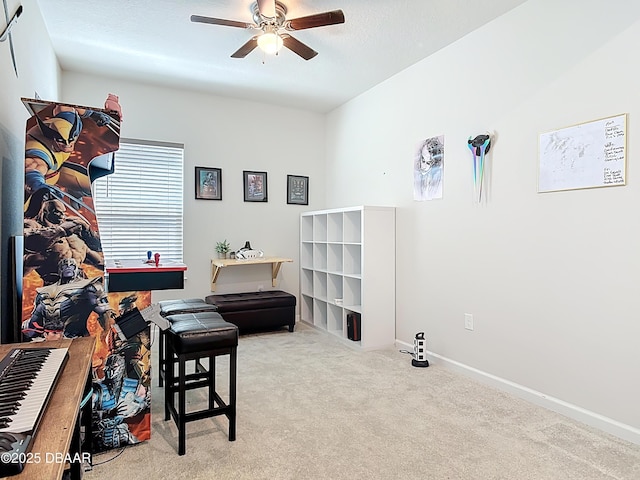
<point x="154" y="41"/>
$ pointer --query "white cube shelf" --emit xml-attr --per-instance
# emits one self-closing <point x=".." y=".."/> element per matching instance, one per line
<point x="348" y="265"/>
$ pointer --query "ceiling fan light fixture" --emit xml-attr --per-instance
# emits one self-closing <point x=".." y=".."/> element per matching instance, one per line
<point x="269" y="19"/>
<point x="270" y="42"/>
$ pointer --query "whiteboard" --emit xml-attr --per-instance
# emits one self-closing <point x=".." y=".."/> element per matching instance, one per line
<point x="587" y="155"/>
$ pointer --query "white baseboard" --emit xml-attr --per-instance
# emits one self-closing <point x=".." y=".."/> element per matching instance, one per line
<point x="606" y="424"/>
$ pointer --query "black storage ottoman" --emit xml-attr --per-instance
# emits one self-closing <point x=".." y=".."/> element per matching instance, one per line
<point x="252" y="311"/>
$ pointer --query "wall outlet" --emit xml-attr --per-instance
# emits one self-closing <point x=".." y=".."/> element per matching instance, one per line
<point x="468" y="321"/>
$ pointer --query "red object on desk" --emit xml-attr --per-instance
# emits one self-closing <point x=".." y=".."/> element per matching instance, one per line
<point x="156" y="257"/>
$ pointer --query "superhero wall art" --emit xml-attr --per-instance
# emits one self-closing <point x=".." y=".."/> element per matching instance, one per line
<point x="66" y="148"/>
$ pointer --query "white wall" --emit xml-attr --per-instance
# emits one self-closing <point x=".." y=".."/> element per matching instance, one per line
<point x="37" y="72"/>
<point x="38" y="69"/>
<point x="551" y="279"/>
<point x="234" y="135"/>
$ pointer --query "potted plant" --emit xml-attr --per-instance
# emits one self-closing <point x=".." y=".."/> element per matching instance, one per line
<point x="223" y="248"/>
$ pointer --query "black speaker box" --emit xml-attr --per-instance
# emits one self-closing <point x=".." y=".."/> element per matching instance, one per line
<point x="354" y="329"/>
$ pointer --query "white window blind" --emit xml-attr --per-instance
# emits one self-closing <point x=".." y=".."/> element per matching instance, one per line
<point x="139" y="207"/>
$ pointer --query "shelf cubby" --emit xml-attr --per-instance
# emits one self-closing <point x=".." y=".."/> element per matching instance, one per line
<point x="335" y="323"/>
<point x="320" y="256"/>
<point x="334" y="227"/>
<point x="306" y="229"/>
<point x="352" y="259"/>
<point x="334" y="258"/>
<point x="320" y="314"/>
<point x="306" y="282"/>
<point x="306" y="308"/>
<point x="320" y="228"/>
<point x="352" y="297"/>
<point x="353" y="226"/>
<point x="320" y="285"/>
<point x="306" y="255"/>
<point x="334" y="288"/>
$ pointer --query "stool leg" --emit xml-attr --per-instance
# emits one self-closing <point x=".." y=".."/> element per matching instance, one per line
<point x="182" y="393"/>
<point x="168" y="371"/>
<point x="168" y="360"/>
<point x="212" y="381"/>
<point x="233" y="360"/>
<point x="161" y="366"/>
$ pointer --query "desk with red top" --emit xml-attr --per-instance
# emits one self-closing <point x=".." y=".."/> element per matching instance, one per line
<point x="136" y="275"/>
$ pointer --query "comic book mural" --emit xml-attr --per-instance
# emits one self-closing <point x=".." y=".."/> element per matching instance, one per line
<point x="66" y="148"/>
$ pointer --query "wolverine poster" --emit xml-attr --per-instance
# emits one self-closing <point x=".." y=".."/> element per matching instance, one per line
<point x="64" y="295"/>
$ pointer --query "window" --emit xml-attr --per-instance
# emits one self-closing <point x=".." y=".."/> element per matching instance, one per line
<point x="139" y="207"/>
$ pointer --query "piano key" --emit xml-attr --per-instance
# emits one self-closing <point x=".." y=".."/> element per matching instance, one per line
<point x="12" y="398"/>
<point x="16" y="388"/>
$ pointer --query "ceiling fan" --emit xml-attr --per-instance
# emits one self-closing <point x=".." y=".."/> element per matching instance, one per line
<point x="269" y="16"/>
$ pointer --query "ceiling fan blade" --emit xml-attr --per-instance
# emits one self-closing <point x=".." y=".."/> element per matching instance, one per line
<point x="246" y="49"/>
<point x="220" y="21"/>
<point x="318" y="20"/>
<point x="267" y="8"/>
<point x="297" y="47"/>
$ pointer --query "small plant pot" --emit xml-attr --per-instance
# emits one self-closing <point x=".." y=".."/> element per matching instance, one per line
<point x="222" y="255"/>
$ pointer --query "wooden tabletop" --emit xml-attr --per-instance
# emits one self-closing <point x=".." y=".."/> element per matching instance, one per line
<point x="228" y="262"/>
<point x="56" y="426"/>
<point x="218" y="263"/>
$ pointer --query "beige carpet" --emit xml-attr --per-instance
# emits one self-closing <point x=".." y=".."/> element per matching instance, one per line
<point x="310" y="407"/>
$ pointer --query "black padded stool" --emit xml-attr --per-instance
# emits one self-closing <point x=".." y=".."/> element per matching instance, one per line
<point x="197" y="336"/>
<point x="176" y="307"/>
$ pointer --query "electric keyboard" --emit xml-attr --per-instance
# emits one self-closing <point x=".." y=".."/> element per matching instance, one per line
<point x="27" y="378"/>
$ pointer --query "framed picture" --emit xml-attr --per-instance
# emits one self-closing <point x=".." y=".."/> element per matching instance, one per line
<point x="208" y="183"/>
<point x="297" y="190"/>
<point x="255" y="186"/>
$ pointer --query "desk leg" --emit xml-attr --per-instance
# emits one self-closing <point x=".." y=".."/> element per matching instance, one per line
<point x="87" y="419"/>
<point x="78" y="445"/>
<point x="75" y="470"/>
